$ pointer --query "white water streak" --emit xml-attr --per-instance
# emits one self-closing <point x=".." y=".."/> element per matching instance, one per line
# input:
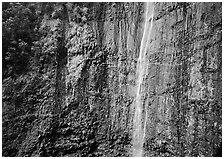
<point x="139" y="126"/>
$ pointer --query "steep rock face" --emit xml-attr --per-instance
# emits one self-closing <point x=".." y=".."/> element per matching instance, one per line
<point x="100" y="71"/>
<point x="47" y="115"/>
<point x="90" y="86"/>
<point x="184" y="78"/>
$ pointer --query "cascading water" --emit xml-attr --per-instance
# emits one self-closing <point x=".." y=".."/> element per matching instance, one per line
<point x="139" y="125"/>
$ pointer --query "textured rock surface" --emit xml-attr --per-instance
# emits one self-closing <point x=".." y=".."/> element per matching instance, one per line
<point x="89" y="89"/>
<point x="184" y="77"/>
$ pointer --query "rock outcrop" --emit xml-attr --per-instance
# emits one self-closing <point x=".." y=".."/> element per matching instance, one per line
<point x="89" y="88"/>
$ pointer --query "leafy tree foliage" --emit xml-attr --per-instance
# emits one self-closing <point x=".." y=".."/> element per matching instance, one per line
<point x="19" y="30"/>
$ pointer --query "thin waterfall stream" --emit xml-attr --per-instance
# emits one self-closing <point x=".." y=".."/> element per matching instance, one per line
<point x="139" y="123"/>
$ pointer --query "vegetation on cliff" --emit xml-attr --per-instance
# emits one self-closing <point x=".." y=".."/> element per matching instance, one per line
<point x="69" y="79"/>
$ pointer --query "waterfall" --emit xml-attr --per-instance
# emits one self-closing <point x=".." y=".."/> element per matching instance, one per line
<point x="139" y="125"/>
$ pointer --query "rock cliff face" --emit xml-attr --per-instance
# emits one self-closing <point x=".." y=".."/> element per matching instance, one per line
<point x="92" y="87"/>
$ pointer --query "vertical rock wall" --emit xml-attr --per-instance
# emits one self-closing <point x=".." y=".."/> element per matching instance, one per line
<point x="89" y="108"/>
<point x="184" y="79"/>
<point x="101" y="74"/>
